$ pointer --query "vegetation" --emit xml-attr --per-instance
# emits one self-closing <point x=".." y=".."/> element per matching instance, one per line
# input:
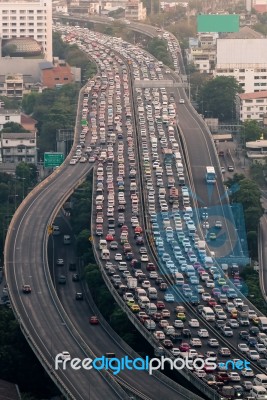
<point x="159" y="49"/>
<point x="251" y="278"/>
<point x="218" y="97"/>
<point x="74" y="56"/>
<point x="251" y="130"/>
<point x="258" y="173"/>
<point x="14" y="127"/>
<point x="246" y="192"/>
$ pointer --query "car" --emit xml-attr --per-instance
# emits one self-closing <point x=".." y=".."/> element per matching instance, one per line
<point x="247" y="385"/>
<point x="60" y="262"/>
<point x="253" y="355"/>
<point x="144" y="258"/>
<point x="260" y="348"/>
<point x="159" y="335"/>
<point x="175" y="351"/>
<point x="65" y="355"/>
<point x="184" y="347"/>
<point x="145" y="284"/>
<point x="227" y="331"/>
<point x="230" y="168"/>
<point x="238" y="302"/>
<point x="213" y="342"/>
<point x="186" y="333"/>
<point x="167" y="343"/>
<point x="79" y="296"/>
<point x="262" y="362"/>
<point x="165" y="313"/>
<point x="243" y="347"/>
<point x="134" y="308"/>
<point x="195" y="342"/>
<point x="251" y="341"/>
<point x="75" y="277"/>
<point x="93" y="320"/>
<point x="181" y="101"/>
<point x="224" y="351"/>
<point x="244" y="335"/>
<point x="212" y="236"/>
<point x="181" y="316"/>
<point x="26" y="289"/>
<point x="178" y="324"/>
<point x="203" y="333"/>
<point x="194" y="323"/>
<point x="247" y="372"/>
<point x="234" y="376"/>
<point x="233" y="323"/>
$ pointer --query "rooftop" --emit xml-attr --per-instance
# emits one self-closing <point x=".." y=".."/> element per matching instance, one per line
<point x="17" y="136"/>
<point x="26" y="119"/>
<point x="254" y="95"/>
<point x="4" y="111"/>
<point x="244" y="33"/>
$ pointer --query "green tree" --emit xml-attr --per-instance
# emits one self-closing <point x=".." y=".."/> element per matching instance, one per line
<point x="14" y="127"/>
<point x="251" y="130"/>
<point x="218" y="97"/>
<point x="4" y="192"/>
<point x="29" y="101"/>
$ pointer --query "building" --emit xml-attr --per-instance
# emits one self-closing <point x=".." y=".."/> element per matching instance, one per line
<point x="16" y="116"/>
<point x="18" y="147"/>
<point x="202" y="52"/>
<point x="257" y="150"/>
<point x="251" y="105"/>
<point x="134" y="10"/>
<point x="27" y="19"/>
<point x="243" y="55"/>
<point x="9" y="116"/>
<point x="56" y="74"/>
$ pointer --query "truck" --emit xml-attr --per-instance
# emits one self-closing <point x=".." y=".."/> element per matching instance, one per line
<point x="263" y="323"/>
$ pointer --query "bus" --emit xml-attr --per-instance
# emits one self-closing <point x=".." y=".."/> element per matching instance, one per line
<point x="210" y="175"/>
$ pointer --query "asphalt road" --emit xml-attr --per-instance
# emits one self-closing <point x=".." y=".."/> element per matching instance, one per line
<point x="25" y="257"/>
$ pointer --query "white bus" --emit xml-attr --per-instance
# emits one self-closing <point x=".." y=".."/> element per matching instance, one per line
<point x="210" y="175"/>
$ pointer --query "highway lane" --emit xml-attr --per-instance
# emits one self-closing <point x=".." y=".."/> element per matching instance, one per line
<point x="25" y="256"/>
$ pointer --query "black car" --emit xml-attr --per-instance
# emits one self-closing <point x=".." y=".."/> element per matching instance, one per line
<point x="262" y="363"/>
<point x="251" y="341"/>
<point x="186" y="333"/>
<point x="219" y="323"/>
<point x="75" y="278"/>
<point x="238" y="390"/>
<point x="159" y="280"/>
<point x="254" y="330"/>
<point x="200" y="308"/>
<point x="244" y="335"/>
<point x="176" y="337"/>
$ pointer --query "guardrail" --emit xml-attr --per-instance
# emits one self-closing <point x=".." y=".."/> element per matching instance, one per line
<point x="71" y="329"/>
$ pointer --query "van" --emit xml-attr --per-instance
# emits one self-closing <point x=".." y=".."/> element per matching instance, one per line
<point x="105" y="254"/>
<point x="208" y="314"/>
<point x="260" y="380"/>
<point x="151" y="309"/>
<point x="102" y="244"/>
<point x="67" y="239"/>
<point x="179" y="278"/>
<point x="152" y="293"/>
<point x="143" y="301"/>
<point x="258" y="392"/>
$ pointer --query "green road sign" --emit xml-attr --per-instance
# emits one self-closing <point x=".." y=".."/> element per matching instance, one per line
<point x="52" y="160"/>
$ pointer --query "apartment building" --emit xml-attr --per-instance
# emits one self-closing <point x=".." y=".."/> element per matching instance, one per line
<point x="28" y="19"/>
<point x="202" y="52"/>
<point x="134" y="10"/>
<point x="251" y="105"/>
<point x="18" y="147"/>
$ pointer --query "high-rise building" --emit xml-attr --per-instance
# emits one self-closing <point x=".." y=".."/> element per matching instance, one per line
<point x="28" y="19"/>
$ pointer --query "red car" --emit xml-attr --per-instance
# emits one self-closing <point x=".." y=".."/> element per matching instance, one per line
<point x="222" y="376"/>
<point x="184" y="347"/>
<point x="212" y="302"/>
<point x="124" y="228"/>
<point x="150" y="267"/>
<point x="94" y="320"/>
<point x="160" y="305"/>
<point x="109" y="237"/>
<point x="138" y="229"/>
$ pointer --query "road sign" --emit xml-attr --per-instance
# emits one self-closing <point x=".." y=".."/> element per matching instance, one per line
<point x="53" y="159"/>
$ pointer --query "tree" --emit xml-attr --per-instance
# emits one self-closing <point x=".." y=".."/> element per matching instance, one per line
<point x="29" y="101"/>
<point x="251" y="130"/>
<point x="217" y="97"/>
<point x="14" y="127"/>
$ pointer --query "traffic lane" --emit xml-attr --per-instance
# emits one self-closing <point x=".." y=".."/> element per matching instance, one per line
<point x="43" y="304"/>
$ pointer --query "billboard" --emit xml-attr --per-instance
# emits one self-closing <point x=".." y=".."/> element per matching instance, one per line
<point x="52" y="160"/>
<point x="217" y="23"/>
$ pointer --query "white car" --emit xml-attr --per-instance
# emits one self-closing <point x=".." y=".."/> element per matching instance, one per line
<point x="181" y="101"/>
<point x="195" y="342"/>
<point x="248" y="373"/>
<point x="175" y="351"/>
<point x="145" y="284"/>
<point x="260" y="348"/>
<point x="194" y="323"/>
<point x="118" y="257"/>
<point x="178" y="324"/>
<point x="210" y="283"/>
<point x="73" y="161"/>
<point x="253" y="355"/>
<point x="233" y="323"/>
<point x="206" y="296"/>
<point x="159" y="335"/>
<point x="144" y="258"/>
<point x="203" y="333"/>
<point x="83" y="159"/>
<point x="238" y="302"/>
<point x="234" y="376"/>
<point x="243" y="347"/>
<point x="65" y="355"/>
<point x="213" y="342"/>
